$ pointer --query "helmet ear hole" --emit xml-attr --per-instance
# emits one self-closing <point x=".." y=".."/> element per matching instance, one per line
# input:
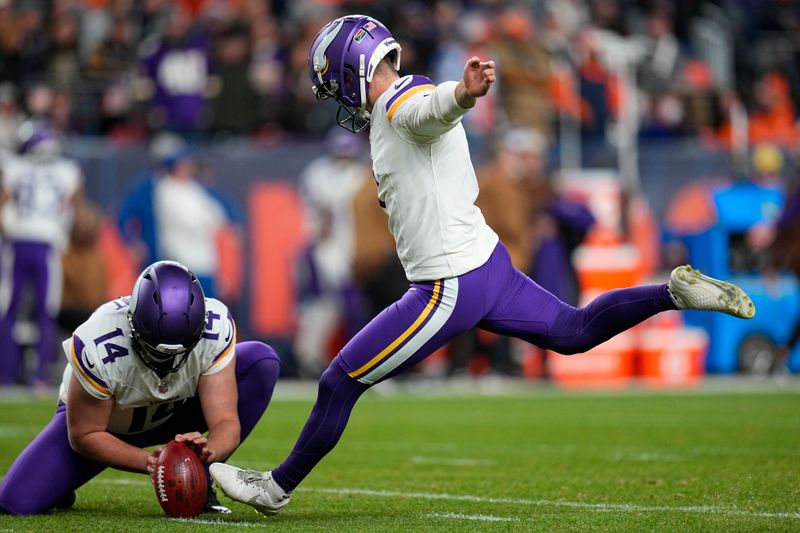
<point x="349" y="81"/>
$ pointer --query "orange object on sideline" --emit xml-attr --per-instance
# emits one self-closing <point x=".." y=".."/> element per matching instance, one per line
<point x="603" y="268"/>
<point x="609" y="365"/>
<point x="230" y="272"/>
<point x="276" y="237"/>
<point x="672" y="358"/>
<point x="120" y="265"/>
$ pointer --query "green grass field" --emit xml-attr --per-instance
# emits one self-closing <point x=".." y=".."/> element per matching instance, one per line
<point x="539" y="461"/>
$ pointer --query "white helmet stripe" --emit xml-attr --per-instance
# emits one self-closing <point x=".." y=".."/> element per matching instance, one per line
<point x="319" y="54"/>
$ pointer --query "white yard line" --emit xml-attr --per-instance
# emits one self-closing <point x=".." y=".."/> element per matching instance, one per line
<point x="222" y="523"/>
<point x="476" y="517"/>
<point x="450" y="461"/>
<point x="601" y="507"/>
<point x="618" y="507"/>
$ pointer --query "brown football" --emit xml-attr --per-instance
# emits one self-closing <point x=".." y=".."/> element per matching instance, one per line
<point x="180" y="481"/>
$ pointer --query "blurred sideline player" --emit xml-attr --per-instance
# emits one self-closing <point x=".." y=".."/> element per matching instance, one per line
<point x="39" y="189"/>
<point x="331" y="297"/>
<point x="142" y="369"/>
<point x="461" y="275"/>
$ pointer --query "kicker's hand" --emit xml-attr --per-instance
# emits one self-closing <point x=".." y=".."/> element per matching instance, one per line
<point x="478" y="78"/>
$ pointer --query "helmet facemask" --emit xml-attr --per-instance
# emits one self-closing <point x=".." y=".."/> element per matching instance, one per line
<point x="162" y="359"/>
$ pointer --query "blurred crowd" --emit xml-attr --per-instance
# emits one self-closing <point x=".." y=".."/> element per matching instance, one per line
<point x="175" y="74"/>
<point x="124" y="68"/>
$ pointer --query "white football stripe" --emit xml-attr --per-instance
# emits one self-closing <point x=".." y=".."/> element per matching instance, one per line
<point x="619" y="507"/>
<point x="477" y="517"/>
<point x="450" y="461"/>
<point x="447" y="305"/>
<point x="223" y="523"/>
<point x="602" y="507"/>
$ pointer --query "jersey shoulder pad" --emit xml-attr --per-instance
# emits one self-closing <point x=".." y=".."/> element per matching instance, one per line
<point x="86" y="364"/>
<point x="403" y="90"/>
<point x="219" y="337"/>
<point x="99" y="348"/>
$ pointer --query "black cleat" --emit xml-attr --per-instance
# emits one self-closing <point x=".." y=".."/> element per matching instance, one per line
<point x="212" y="503"/>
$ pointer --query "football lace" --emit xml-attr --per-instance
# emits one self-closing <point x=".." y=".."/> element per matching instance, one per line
<point x="162" y="491"/>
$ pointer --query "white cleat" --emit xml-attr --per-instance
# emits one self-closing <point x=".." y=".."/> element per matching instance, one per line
<point x="692" y="290"/>
<point x="254" y="488"/>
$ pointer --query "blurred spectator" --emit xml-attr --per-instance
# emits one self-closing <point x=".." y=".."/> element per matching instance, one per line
<point x="137" y="219"/>
<point x="376" y="267"/>
<point x="11" y="118"/>
<point x="111" y="67"/>
<point x="524" y="72"/>
<point x="188" y="220"/>
<point x="596" y="88"/>
<point x="170" y="215"/>
<point x="780" y="238"/>
<point x="659" y="68"/>
<point x="607" y="15"/>
<point x="10" y="42"/>
<point x="63" y="61"/>
<point x="39" y="189"/>
<point x="773" y="117"/>
<point x="329" y="299"/>
<point x="235" y="102"/>
<point x="475" y="34"/>
<point x="177" y="68"/>
<point x="504" y="200"/>
<point x="558" y="225"/>
<point x="115" y="54"/>
<point x="83" y="267"/>
<point x="61" y="112"/>
<point x="88" y="48"/>
<point x="39" y="101"/>
<point x="268" y="68"/>
<point x="33" y="42"/>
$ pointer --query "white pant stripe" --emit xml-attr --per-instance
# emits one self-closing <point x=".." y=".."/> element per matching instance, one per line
<point x="436" y="322"/>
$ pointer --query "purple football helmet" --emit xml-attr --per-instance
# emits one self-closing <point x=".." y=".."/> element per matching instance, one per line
<point x="167" y="316"/>
<point x="342" y="61"/>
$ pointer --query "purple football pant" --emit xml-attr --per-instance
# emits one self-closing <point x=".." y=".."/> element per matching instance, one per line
<point x="495" y="297"/>
<point x="48" y="470"/>
<point x="35" y="265"/>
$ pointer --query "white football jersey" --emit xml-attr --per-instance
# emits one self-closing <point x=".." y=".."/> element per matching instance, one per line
<point x="426" y="182"/>
<point x="39" y="204"/>
<point x="188" y="219"/>
<point x="328" y="186"/>
<point x="102" y="359"/>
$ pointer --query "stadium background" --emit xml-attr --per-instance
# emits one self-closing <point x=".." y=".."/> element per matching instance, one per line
<point x="705" y="152"/>
<point x="670" y="98"/>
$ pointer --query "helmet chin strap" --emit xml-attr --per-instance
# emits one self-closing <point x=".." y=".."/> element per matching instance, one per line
<point x="362" y="77"/>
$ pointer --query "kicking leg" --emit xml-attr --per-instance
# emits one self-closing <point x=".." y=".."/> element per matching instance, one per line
<point x="402" y="335"/>
<point x="47" y="472"/>
<point x="529" y="312"/>
<point x="537" y="316"/>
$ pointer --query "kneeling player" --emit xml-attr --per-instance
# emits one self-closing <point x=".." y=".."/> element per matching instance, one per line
<point x="160" y="364"/>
